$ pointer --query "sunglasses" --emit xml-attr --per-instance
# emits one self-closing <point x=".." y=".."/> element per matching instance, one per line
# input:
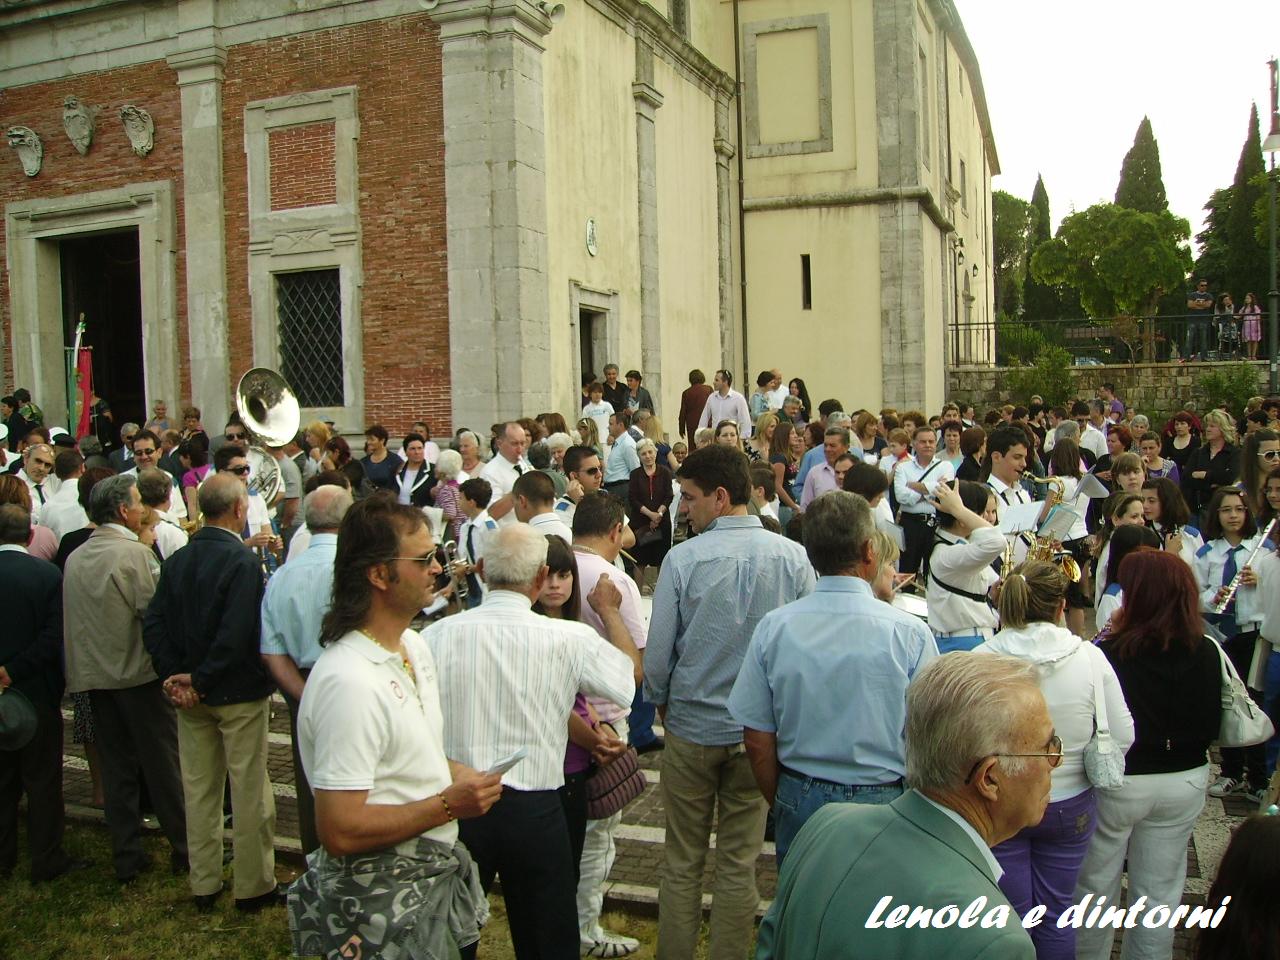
<point x="143" y="451"/>
<point x="1269" y="455"/>
<point x="423" y="562"/>
<point x="235" y="436"/>
<point x="590" y="471"/>
<point x="239" y="471"/>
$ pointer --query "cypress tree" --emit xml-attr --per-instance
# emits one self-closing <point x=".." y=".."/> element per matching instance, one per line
<point x="1246" y="257"/>
<point x="1141" y="183"/>
<point x="1039" y="301"/>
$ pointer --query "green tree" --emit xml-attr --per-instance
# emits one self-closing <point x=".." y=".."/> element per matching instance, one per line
<point x="1119" y="260"/>
<point x="1214" y="255"/>
<point x="1141" y="183"/>
<point x="1246" y="262"/>
<point x="1040" y="301"/>
<point x="1048" y="377"/>
<point x="1013" y="224"/>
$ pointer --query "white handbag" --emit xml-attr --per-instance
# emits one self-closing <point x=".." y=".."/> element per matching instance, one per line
<point x="1243" y="722"/>
<point x="1103" y="761"/>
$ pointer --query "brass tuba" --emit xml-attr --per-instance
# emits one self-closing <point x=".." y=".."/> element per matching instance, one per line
<point x="1042" y="547"/>
<point x="271" y="416"/>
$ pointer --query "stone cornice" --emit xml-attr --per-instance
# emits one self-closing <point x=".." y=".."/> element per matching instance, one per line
<point x="639" y="17"/>
<point x="853" y="198"/>
<point x="468" y="18"/>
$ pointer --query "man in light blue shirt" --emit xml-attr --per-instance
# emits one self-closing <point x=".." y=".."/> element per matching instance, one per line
<point x="823" y="690"/>
<point x="297" y="598"/>
<point x="622" y="457"/>
<point x="712" y="591"/>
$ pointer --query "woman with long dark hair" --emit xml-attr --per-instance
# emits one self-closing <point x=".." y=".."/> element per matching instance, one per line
<point x="1261" y="455"/>
<point x="1126" y="540"/>
<point x="1250" y="875"/>
<point x="1170" y="675"/>
<point x="797" y="389"/>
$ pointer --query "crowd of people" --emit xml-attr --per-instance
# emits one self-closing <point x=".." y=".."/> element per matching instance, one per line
<point x="459" y="630"/>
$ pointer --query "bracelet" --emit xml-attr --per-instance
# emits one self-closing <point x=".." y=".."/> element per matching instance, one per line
<point x="447" y="812"/>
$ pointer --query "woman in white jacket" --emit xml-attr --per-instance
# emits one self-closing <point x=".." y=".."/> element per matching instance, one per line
<point x="961" y="577"/>
<point x="1041" y="863"/>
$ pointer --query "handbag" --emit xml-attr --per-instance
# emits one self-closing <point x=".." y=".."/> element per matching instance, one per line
<point x="612" y="787"/>
<point x="1243" y="721"/>
<point x="1103" y="762"/>
<point x="648" y="535"/>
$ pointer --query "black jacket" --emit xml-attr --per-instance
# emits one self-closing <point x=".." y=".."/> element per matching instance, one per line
<point x="1221" y="471"/>
<point x="616" y="395"/>
<point x="31" y="641"/>
<point x="204" y="619"/>
<point x="420" y="492"/>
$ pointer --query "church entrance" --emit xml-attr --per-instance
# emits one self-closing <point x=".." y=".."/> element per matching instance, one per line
<point x="101" y="283"/>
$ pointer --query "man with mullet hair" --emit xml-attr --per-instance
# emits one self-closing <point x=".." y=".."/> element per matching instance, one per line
<point x="980" y="749"/>
<point x="391" y="872"/>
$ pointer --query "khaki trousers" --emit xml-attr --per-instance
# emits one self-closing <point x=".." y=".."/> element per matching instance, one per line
<point x="212" y="742"/>
<point x="701" y="784"/>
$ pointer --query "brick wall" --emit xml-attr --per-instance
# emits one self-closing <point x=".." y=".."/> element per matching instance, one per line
<point x="395" y="66"/>
<point x="1148" y="387"/>
<point x="302" y="166"/>
<point x="110" y="162"/>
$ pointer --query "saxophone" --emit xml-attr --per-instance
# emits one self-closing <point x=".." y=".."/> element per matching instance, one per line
<point x="1041" y="548"/>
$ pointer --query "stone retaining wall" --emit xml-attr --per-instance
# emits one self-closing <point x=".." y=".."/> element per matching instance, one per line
<point x="1159" y="387"/>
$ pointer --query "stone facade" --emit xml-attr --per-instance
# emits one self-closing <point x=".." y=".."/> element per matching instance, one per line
<point x="1149" y="387"/>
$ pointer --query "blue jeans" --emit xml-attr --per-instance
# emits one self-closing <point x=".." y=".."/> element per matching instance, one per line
<point x="1271" y="704"/>
<point x="1041" y="864"/>
<point x="799" y="798"/>
<point x="1197" y="337"/>
<point x="641" y="720"/>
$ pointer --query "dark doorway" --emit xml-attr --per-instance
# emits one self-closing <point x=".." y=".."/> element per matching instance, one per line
<point x="586" y="343"/>
<point x="101" y="280"/>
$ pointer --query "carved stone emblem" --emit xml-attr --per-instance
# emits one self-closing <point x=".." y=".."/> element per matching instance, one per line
<point x="138" y="127"/>
<point x="30" y="150"/>
<point x="78" y="120"/>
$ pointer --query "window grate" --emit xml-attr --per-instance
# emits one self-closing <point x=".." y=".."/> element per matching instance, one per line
<point x="309" y="312"/>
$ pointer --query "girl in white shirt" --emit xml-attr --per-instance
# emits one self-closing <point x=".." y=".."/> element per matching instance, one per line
<point x="1120" y="509"/>
<point x="1065" y="464"/>
<point x="1167" y="513"/>
<point x="960" y="573"/>
<point x="1125" y="540"/>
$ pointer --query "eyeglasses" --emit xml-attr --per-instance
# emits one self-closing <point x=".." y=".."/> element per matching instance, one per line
<point x="423" y="562"/>
<point x="235" y="436"/>
<point x="1054" y="757"/>
<point x="128" y="439"/>
<point x="239" y="471"/>
<point x="143" y="451"/>
<point x="1269" y="454"/>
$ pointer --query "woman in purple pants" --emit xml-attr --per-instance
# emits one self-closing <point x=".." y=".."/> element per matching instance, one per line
<point x="1041" y="863"/>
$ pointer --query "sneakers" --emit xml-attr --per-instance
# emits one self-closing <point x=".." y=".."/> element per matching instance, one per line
<point x="1227" y="786"/>
<point x="610" y="946"/>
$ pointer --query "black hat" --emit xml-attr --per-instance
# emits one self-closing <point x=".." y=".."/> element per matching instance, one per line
<point x="17" y="719"/>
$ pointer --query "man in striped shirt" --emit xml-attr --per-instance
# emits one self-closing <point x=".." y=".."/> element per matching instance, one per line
<point x="508" y="678"/>
<point x="711" y="593"/>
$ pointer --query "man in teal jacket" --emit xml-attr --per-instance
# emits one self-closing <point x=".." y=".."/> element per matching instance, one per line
<point x="916" y="879"/>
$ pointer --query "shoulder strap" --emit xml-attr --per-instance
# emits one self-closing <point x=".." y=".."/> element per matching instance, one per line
<point x="968" y="595"/>
<point x="932" y="466"/>
<point x="1099" y="705"/>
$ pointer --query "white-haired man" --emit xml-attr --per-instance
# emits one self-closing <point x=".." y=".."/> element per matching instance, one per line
<point x="37" y="474"/>
<point x="508" y="678"/>
<point x="296" y="600"/>
<point x="980" y="749"/>
<point x="797" y="736"/>
<point x="503" y="469"/>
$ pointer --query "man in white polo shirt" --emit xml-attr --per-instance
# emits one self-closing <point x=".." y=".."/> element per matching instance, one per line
<point x="390" y="871"/>
<point x="503" y="469"/>
<point x="535" y="505"/>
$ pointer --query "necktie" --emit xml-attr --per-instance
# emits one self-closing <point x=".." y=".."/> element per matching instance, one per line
<point x="473" y="583"/>
<point x="519" y="469"/>
<point x="1229" y="570"/>
<point x="40" y="492"/>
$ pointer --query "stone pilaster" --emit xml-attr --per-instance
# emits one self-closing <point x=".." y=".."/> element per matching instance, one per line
<point x="902" y="346"/>
<point x="648" y="100"/>
<point x="199" y="62"/>
<point x="495" y="190"/>
<point x="724" y="230"/>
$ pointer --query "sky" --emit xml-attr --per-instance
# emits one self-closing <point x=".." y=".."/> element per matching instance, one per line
<point x="1068" y="83"/>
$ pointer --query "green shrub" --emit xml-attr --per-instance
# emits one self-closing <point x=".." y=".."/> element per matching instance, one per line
<point x="1017" y="343"/>
<point x="1049" y="376"/>
<point x="1232" y="386"/>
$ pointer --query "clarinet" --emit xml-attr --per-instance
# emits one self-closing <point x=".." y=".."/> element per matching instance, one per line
<point x="1234" y="585"/>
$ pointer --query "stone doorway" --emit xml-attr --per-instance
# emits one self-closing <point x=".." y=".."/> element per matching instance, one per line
<point x="101" y="283"/>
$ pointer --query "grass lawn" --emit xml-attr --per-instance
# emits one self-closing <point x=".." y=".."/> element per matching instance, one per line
<point x="87" y="915"/>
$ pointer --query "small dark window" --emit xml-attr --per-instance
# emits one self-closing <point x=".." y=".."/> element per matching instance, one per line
<point x="806" y="283"/>
<point x="309" y="313"/>
<point x="680" y="17"/>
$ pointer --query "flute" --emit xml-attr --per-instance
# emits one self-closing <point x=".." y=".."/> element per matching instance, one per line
<point x="1234" y="585"/>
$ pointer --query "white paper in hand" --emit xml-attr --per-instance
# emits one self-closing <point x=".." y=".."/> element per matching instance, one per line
<point x="506" y="763"/>
<point x="1091" y="487"/>
<point x="1020" y="517"/>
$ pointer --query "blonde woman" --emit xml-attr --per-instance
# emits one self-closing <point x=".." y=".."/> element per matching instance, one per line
<point x="315" y="436"/>
<point x="704" y="437"/>
<point x="758" y="444"/>
<point x="1215" y="463"/>
<point x="590" y="434"/>
<point x="652" y="429"/>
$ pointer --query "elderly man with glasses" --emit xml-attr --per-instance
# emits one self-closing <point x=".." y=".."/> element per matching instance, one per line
<point x="146" y="455"/>
<point x="980" y="749"/>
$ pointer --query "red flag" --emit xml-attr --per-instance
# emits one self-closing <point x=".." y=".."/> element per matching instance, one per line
<point x="84" y="391"/>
